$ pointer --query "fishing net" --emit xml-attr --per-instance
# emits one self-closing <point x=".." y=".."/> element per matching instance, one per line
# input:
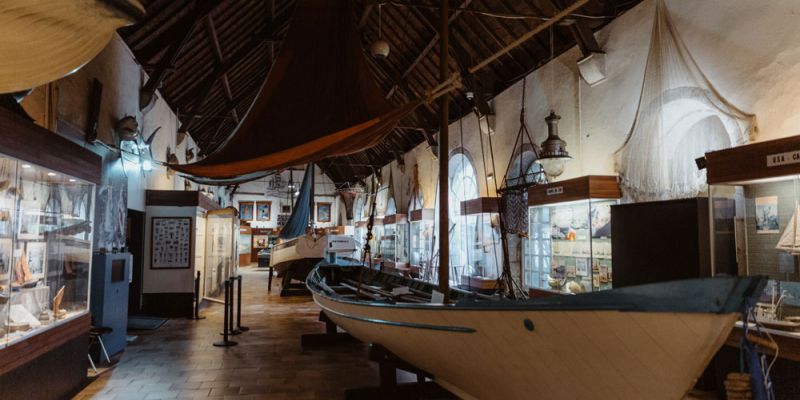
<point x="680" y="117"/>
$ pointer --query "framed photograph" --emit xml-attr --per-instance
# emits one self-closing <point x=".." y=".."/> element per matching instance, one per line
<point x="246" y="211"/>
<point x="36" y="253"/>
<point x="171" y="243"/>
<point x="286" y="209"/>
<point x="323" y="212"/>
<point x="581" y="267"/>
<point x="5" y="255"/>
<point x="767" y="214"/>
<point x="263" y="210"/>
<point x="28" y="226"/>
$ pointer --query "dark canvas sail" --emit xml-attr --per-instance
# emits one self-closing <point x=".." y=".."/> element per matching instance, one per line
<point x="320" y="100"/>
<point x="298" y="221"/>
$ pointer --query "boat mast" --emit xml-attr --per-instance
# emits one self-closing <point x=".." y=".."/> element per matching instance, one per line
<point x="444" y="223"/>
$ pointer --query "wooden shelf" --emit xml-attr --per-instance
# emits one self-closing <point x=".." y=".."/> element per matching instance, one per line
<point x="583" y="188"/>
<point x="750" y="162"/>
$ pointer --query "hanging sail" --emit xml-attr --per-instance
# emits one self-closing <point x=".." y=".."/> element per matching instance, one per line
<point x="790" y="239"/>
<point x="45" y="40"/>
<point x="319" y="100"/>
<point x="298" y="221"/>
<point x="680" y="117"/>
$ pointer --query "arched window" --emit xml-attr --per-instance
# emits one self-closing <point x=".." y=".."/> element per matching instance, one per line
<point x="463" y="185"/>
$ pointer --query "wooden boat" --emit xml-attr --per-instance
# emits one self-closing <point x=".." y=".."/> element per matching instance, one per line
<point x="300" y="250"/>
<point x="645" y="342"/>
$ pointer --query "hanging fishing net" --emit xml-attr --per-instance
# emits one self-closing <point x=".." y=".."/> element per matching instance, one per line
<point x="680" y="117"/>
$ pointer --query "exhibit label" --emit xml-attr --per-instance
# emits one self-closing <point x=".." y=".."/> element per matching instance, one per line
<point x="790" y="157"/>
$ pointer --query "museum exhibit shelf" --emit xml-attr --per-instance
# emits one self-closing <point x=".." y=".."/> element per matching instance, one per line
<point x="421" y="222"/>
<point x="754" y="201"/>
<point x="569" y="235"/>
<point x="395" y="244"/>
<point x="484" y="255"/>
<point x="175" y="250"/>
<point x="47" y="194"/>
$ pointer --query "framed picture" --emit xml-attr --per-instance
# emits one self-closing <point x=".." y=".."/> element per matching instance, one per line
<point x="36" y="253"/>
<point x="323" y="212"/>
<point x="767" y="214"/>
<point x="263" y="210"/>
<point x="6" y="248"/>
<point x="246" y="211"/>
<point x="171" y="243"/>
<point x="28" y="226"/>
<point x="286" y="209"/>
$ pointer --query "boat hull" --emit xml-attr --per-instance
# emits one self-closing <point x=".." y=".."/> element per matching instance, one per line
<point x="568" y="354"/>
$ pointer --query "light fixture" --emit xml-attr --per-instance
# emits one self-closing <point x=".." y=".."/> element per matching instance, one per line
<point x="147" y="165"/>
<point x="51" y="174"/>
<point x="554" y="155"/>
<point x="380" y="48"/>
<point x="71" y="180"/>
<point x="26" y="166"/>
<point x="593" y="68"/>
<point x="490" y="176"/>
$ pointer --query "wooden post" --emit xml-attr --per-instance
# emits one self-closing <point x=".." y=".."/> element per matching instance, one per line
<point x="444" y="224"/>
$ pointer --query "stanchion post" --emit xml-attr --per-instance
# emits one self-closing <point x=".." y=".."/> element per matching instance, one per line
<point x="239" y="308"/>
<point x="231" y="328"/>
<point x="225" y="342"/>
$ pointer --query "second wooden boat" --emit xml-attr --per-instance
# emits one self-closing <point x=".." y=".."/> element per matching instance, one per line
<point x="644" y="342"/>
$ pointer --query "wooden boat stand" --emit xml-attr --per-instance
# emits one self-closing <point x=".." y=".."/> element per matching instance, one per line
<point x="389" y="389"/>
<point x="330" y="337"/>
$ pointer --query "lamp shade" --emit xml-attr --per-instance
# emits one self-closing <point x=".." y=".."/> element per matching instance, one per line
<point x="554" y="155"/>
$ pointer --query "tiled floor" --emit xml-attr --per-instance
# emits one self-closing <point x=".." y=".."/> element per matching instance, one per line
<point x="179" y="361"/>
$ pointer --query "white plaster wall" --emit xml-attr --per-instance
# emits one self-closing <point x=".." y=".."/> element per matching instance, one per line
<point x="748" y="50"/>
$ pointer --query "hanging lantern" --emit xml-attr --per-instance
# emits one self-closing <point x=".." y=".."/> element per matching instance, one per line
<point x="380" y="49"/>
<point x="554" y="155"/>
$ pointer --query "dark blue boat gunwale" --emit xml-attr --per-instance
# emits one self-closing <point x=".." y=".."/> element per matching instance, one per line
<point x="703" y="295"/>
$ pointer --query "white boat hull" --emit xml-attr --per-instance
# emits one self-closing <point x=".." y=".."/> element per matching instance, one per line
<point x="592" y="354"/>
<point x="302" y="247"/>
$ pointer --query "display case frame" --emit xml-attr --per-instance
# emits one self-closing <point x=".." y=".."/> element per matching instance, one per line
<point x="59" y="348"/>
<point x="587" y="200"/>
<point x="421" y="235"/>
<point x="754" y="192"/>
<point x="395" y="243"/>
<point x="484" y="251"/>
<point x="221" y="251"/>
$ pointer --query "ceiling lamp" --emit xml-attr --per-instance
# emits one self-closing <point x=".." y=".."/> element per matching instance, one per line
<point x="379" y="48"/>
<point x="554" y="155"/>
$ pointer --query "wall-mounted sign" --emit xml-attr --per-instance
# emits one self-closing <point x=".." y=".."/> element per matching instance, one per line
<point x="790" y="157"/>
<point x="555" y="190"/>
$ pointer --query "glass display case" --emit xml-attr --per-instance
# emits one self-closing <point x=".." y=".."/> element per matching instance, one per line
<point x="484" y="254"/>
<point x="395" y="241"/>
<point x="569" y="235"/>
<point x="755" y="222"/>
<point x="221" y="261"/>
<point x="45" y="248"/>
<point x="421" y="237"/>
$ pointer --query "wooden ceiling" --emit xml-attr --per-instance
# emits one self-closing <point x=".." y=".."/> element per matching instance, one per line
<point x="209" y="58"/>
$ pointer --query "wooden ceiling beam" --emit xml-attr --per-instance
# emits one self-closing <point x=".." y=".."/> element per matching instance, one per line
<point x="202" y="8"/>
<point x="182" y="27"/>
<point x="435" y="39"/>
<point x="217" y="50"/>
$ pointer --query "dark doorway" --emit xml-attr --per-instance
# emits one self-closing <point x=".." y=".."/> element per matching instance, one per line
<point x="135" y="241"/>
